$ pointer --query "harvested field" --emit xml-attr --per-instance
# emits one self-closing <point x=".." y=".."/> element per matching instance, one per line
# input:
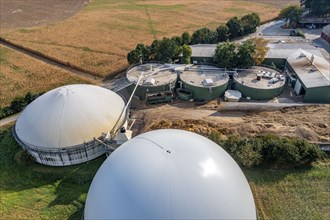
<point x="20" y="74"/>
<point x="308" y="122"/>
<point x="99" y="37"/>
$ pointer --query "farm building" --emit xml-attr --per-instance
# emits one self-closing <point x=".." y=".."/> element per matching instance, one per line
<point x="326" y="33"/>
<point x="280" y="51"/>
<point x="259" y="83"/>
<point x="203" y="82"/>
<point x="157" y="78"/>
<point x="169" y="174"/>
<point x="312" y="76"/>
<point x="203" y="53"/>
<point x="63" y="126"/>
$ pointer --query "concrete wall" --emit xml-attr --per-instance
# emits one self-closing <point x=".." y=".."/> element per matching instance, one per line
<point x="141" y="91"/>
<point x="279" y="63"/>
<point x="318" y="95"/>
<point x="257" y="94"/>
<point x="202" y="60"/>
<point x="206" y="93"/>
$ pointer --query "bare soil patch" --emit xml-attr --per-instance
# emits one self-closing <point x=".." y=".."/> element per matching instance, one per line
<point x="308" y="122"/>
<point x="29" y="13"/>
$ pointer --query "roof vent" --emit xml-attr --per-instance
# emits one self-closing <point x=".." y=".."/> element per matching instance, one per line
<point x="208" y="82"/>
<point x="313" y="69"/>
<point x="302" y="55"/>
<point x="149" y="81"/>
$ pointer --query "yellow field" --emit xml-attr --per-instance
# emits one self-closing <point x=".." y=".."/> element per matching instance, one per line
<point x="20" y="74"/>
<point x="99" y="37"/>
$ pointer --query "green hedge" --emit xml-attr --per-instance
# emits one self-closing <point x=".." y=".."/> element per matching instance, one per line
<point x="18" y="104"/>
<point x="269" y="150"/>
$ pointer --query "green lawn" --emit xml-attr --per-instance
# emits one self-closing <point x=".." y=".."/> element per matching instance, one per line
<point x="33" y="191"/>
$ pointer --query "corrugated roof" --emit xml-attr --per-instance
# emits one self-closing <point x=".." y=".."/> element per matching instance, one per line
<point x="312" y="70"/>
<point x="203" y="50"/>
<point x="284" y="50"/>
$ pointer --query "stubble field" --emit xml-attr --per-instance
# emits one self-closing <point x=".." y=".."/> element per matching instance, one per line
<point x="99" y="37"/>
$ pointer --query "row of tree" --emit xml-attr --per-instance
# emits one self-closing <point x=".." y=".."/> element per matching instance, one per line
<point x="317" y="8"/>
<point x="18" y="104"/>
<point x="166" y="50"/>
<point x="269" y="150"/>
<point x="249" y="53"/>
<point x="176" y="48"/>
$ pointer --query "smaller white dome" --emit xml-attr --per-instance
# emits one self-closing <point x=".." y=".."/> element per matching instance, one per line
<point x="170" y="174"/>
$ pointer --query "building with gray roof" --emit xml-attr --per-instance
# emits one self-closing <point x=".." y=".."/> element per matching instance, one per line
<point x="312" y="76"/>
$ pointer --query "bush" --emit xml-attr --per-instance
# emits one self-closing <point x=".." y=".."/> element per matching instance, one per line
<point x="300" y="34"/>
<point x="269" y="150"/>
<point x="18" y="104"/>
<point x="246" y="152"/>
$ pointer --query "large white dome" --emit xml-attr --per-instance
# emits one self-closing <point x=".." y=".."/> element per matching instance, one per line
<point x="169" y="174"/>
<point x="69" y="116"/>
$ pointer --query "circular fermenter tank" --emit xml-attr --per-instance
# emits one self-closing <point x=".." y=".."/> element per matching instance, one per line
<point x="205" y="82"/>
<point x="157" y="78"/>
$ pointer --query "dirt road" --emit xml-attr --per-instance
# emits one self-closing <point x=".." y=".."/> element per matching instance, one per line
<point x="8" y="120"/>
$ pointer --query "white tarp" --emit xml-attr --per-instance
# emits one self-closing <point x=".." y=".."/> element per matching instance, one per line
<point x="233" y="95"/>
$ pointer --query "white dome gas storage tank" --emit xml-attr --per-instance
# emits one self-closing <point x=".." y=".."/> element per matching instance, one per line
<point x="169" y="174"/>
<point x="59" y="127"/>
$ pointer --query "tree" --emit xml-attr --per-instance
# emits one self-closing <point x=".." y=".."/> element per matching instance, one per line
<point x="145" y="51"/>
<point x="134" y="56"/>
<point x="203" y="36"/>
<point x="291" y="13"/>
<point x="140" y="52"/>
<point x="186" y="54"/>
<point x="318" y="8"/>
<point x="261" y="49"/>
<point x="235" y="27"/>
<point x="186" y="38"/>
<point x="245" y="54"/>
<point x="167" y="51"/>
<point x="250" y="23"/>
<point x="225" y="54"/>
<point x="222" y="33"/>
<point x="177" y="40"/>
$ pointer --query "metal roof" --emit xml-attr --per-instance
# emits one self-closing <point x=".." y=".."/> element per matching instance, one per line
<point x="203" y="50"/>
<point x="284" y="50"/>
<point x="169" y="174"/>
<point x="312" y="70"/>
<point x="69" y="116"/>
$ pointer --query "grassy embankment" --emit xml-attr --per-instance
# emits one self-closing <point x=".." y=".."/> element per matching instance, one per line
<point x="33" y="191"/>
<point x="99" y="37"/>
<point x="20" y="74"/>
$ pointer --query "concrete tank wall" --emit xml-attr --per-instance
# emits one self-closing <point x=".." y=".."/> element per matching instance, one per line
<point x="257" y="93"/>
<point x="142" y="90"/>
<point x="206" y="93"/>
